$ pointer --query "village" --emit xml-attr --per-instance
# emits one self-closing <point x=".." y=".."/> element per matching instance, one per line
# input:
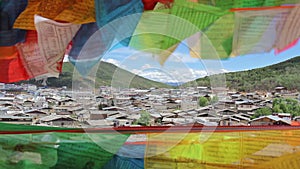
<point x="110" y="107"/>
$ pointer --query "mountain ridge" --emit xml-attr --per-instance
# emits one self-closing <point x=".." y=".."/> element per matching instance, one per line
<point x="104" y="75"/>
<point x="286" y="73"/>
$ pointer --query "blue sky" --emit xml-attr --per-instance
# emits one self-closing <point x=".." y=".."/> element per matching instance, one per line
<point x="180" y="67"/>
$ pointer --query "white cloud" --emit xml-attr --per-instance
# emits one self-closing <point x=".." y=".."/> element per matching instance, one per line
<point x="167" y="75"/>
<point x="136" y="71"/>
<point x="146" y="66"/>
<point x="225" y="71"/>
<point x="217" y="71"/>
<point x="176" y="70"/>
<point x="198" y="73"/>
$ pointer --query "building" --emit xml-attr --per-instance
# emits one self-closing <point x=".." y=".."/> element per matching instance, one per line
<point x="58" y="120"/>
<point x="269" y="120"/>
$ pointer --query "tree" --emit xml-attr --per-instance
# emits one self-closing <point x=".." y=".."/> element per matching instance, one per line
<point x="203" y="101"/>
<point x="144" y="119"/>
<point x="291" y="106"/>
<point x="277" y="109"/>
<point x="262" y="112"/>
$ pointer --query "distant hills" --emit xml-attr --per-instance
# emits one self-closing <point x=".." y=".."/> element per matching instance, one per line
<point x="285" y="74"/>
<point x="105" y="72"/>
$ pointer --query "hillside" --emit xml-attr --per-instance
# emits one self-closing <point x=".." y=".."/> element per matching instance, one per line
<point x="103" y="78"/>
<point x="286" y="74"/>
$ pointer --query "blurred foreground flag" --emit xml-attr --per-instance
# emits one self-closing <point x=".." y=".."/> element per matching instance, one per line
<point x="290" y="31"/>
<point x="12" y="69"/>
<point x="115" y="22"/>
<point x="9" y="11"/>
<point x="73" y="11"/>
<point x="256" y="30"/>
<point x="220" y="150"/>
<point x="53" y="39"/>
<point x="43" y="51"/>
<point x="158" y="30"/>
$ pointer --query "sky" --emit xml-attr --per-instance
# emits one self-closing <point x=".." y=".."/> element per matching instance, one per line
<point x="180" y="67"/>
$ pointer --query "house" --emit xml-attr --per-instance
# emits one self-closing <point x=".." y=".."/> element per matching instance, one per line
<point x="40" y="102"/>
<point x="159" y="106"/>
<point x="269" y="120"/>
<point x="285" y="116"/>
<point x="82" y="115"/>
<point x="7" y="104"/>
<point x="230" y="121"/>
<point x="47" y="110"/>
<point x="177" y="121"/>
<point x="266" y="103"/>
<point x="28" y="103"/>
<point x="64" y="113"/>
<point x="205" y="109"/>
<point x="281" y="90"/>
<point x="244" y="118"/>
<point x="246" y="106"/>
<point x="15" y="91"/>
<point x="16" y="119"/>
<point x="184" y="115"/>
<point x="226" y="112"/>
<point x="99" y="123"/>
<point x="189" y="105"/>
<point x="192" y="112"/>
<point x="75" y="109"/>
<point x="228" y="103"/>
<point x="236" y="96"/>
<point x="67" y="102"/>
<point x="156" y="116"/>
<point x="118" y="115"/>
<point x="100" y="99"/>
<point x="122" y="100"/>
<point x="206" y="121"/>
<point x="113" y="108"/>
<point x="59" y="120"/>
<point x="4" y="100"/>
<point x="206" y="114"/>
<point x="297" y="118"/>
<point x="35" y="113"/>
<point x="172" y="104"/>
<point x="168" y="115"/>
<point x="98" y="115"/>
<point x="125" y="122"/>
<point x="203" y="90"/>
<point x="60" y="109"/>
<point x="3" y="110"/>
<point x="250" y="95"/>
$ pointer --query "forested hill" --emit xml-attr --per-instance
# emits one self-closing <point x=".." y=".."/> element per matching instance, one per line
<point x="105" y="73"/>
<point x="286" y="74"/>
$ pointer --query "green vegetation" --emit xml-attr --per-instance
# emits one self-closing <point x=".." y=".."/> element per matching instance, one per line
<point x="291" y="106"/>
<point x="262" y="112"/>
<point x="203" y="101"/>
<point x="144" y="120"/>
<point x="104" y="76"/>
<point x="262" y="79"/>
<point x="280" y="105"/>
